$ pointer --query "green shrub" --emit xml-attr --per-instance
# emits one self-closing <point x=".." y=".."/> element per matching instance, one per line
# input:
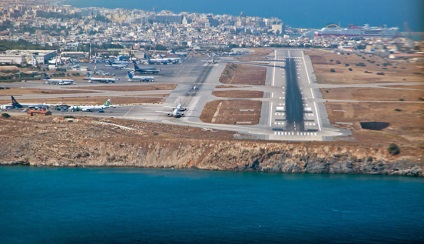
<point x="393" y="149"/>
<point x="5" y="115"/>
<point x="332" y="70"/>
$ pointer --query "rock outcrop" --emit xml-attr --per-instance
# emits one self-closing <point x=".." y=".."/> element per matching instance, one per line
<point x="87" y="142"/>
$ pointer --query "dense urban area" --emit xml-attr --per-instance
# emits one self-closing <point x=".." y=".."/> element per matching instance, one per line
<point x="108" y="31"/>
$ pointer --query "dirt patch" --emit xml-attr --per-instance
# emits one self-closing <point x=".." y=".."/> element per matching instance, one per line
<point x="242" y="112"/>
<point x="351" y="68"/>
<point x="129" y="88"/>
<point x="370" y="94"/>
<point x="243" y="74"/>
<point x="398" y="106"/>
<point x="24" y="91"/>
<point x="258" y="53"/>
<point x="239" y="94"/>
<point x="405" y="119"/>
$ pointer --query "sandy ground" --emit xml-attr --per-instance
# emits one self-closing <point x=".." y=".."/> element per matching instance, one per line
<point x="239" y="94"/>
<point x="243" y="112"/>
<point x="131" y="87"/>
<point x="394" y="71"/>
<point x="243" y="74"/>
<point x="401" y="106"/>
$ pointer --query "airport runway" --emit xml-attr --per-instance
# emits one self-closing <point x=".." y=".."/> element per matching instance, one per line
<point x="292" y="107"/>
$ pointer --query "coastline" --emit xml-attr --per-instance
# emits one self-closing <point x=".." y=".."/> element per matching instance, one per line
<point x="85" y="144"/>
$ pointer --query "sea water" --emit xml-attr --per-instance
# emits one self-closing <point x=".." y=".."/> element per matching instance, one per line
<point x="300" y="13"/>
<point x="148" y="205"/>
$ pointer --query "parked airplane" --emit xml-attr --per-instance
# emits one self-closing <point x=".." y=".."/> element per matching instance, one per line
<point x="90" y="108"/>
<point x="101" y="79"/>
<point x="117" y="66"/>
<point x="158" y="61"/>
<point x="57" y="81"/>
<point x="16" y="105"/>
<point x="145" y="70"/>
<point x="174" y="60"/>
<point x="183" y="54"/>
<point x="131" y="77"/>
<point x="212" y="61"/>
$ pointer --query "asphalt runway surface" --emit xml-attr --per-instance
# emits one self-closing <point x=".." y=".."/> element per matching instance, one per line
<point x="294" y="103"/>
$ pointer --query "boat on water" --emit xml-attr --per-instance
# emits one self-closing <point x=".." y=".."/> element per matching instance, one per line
<point x="357" y="31"/>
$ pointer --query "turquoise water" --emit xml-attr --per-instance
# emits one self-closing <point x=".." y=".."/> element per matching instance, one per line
<point x="143" y="205"/>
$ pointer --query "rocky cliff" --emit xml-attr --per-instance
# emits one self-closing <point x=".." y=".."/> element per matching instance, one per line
<point x="87" y="142"/>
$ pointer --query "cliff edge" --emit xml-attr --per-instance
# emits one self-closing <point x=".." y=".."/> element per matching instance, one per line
<point x="95" y="142"/>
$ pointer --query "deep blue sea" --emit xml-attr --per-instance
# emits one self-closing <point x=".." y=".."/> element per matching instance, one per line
<point x="298" y="13"/>
<point x="57" y="205"/>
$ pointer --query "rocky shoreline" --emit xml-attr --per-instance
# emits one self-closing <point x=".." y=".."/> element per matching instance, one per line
<point x="86" y="143"/>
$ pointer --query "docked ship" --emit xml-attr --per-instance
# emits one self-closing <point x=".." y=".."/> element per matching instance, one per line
<point x="357" y="31"/>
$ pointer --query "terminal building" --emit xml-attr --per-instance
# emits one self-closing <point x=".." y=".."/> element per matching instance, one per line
<point x="169" y="18"/>
<point x="32" y="57"/>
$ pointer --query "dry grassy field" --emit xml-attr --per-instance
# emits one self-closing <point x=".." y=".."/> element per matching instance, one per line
<point x="243" y="112"/>
<point x="239" y="94"/>
<point x="400" y="107"/>
<point x="243" y="74"/>
<point x="129" y="88"/>
<point x="365" y="68"/>
<point x="23" y="91"/>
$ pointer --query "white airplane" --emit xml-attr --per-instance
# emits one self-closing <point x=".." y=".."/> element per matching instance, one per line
<point x="58" y="81"/>
<point x="158" y="61"/>
<point x="176" y="113"/>
<point x="131" y="77"/>
<point x="184" y="54"/>
<point x="117" y="65"/>
<point x="212" y="61"/>
<point x="91" y="108"/>
<point x="180" y="107"/>
<point x="101" y="79"/>
<point x="174" y="60"/>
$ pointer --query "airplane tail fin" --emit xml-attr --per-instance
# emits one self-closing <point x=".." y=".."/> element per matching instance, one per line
<point x="130" y="76"/>
<point x="46" y="76"/>
<point x="107" y="103"/>
<point x="15" y="103"/>
<point x="135" y="65"/>
<point x="110" y="62"/>
<point x="88" y="75"/>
